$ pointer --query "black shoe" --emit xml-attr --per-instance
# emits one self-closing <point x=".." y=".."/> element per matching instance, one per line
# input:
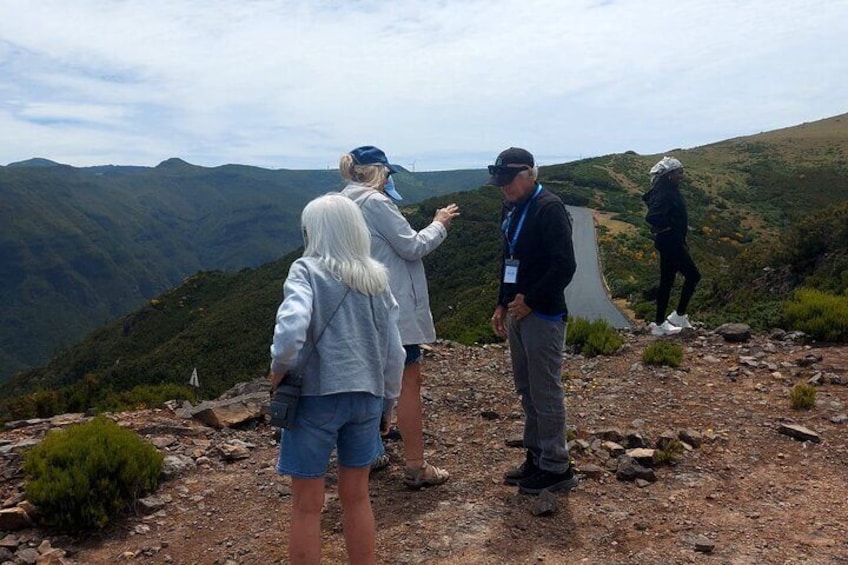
<point x="546" y="480"/>
<point x="523" y="471"/>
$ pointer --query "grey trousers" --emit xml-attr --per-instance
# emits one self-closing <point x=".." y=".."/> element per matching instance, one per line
<point x="535" y="345"/>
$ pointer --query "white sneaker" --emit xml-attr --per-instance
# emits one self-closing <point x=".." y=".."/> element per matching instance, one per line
<point x="676" y="319"/>
<point x="664" y="329"/>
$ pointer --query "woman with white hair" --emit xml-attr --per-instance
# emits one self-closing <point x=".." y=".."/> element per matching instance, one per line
<point x="337" y="329"/>
<point x="669" y="222"/>
<point x="395" y="244"/>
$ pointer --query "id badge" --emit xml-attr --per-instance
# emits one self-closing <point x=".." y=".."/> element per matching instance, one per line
<point x="510" y="271"/>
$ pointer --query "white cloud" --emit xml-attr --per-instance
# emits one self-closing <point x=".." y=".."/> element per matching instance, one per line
<point x="444" y="84"/>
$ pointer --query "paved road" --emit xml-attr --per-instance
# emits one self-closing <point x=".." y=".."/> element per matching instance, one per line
<point x="586" y="296"/>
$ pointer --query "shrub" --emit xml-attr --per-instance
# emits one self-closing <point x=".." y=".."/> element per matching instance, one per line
<point x="802" y="396"/>
<point x="819" y="314"/>
<point x="593" y="338"/>
<point x="670" y="453"/>
<point x="663" y="353"/>
<point x="82" y="477"/>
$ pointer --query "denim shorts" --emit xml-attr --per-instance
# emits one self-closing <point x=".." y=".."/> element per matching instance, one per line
<point x="413" y="354"/>
<point x="347" y="421"/>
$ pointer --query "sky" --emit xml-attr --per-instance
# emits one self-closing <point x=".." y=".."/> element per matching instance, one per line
<point x="437" y="84"/>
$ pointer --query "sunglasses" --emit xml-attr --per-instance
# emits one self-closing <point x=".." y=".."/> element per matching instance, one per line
<point x="507" y="170"/>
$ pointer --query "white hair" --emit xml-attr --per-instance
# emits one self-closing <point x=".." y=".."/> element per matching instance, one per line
<point x="336" y="233"/>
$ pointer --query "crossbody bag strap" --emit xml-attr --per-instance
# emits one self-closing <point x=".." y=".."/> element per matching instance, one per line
<point x="321" y="333"/>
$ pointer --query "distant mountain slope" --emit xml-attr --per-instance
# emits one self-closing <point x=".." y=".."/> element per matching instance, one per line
<point x="753" y="251"/>
<point x="81" y="246"/>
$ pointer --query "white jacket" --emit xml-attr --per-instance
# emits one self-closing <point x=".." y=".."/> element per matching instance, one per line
<point x="400" y="248"/>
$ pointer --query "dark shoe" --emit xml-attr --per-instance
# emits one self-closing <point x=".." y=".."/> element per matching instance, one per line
<point x="380" y="463"/>
<point x="523" y="471"/>
<point x="393" y="434"/>
<point x="546" y="480"/>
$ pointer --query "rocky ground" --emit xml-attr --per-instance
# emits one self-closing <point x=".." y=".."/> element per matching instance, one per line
<point x="743" y="491"/>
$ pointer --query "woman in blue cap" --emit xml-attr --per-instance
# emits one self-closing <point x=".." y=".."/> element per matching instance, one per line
<point x="401" y="249"/>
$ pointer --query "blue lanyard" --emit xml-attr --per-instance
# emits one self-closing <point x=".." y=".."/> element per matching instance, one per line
<point x="508" y="221"/>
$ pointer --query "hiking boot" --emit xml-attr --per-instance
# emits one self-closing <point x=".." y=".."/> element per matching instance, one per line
<point x="546" y="480"/>
<point x="666" y="328"/>
<point x="679" y="320"/>
<point x="523" y="471"/>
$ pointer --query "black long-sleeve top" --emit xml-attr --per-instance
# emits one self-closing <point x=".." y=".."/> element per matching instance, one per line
<point x="666" y="210"/>
<point x="545" y="252"/>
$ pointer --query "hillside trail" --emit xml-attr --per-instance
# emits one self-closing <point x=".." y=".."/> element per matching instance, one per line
<point x="741" y="492"/>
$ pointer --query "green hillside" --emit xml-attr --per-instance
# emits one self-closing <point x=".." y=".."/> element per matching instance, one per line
<point x="769" y="214"/>
<point x="82" y="246"/>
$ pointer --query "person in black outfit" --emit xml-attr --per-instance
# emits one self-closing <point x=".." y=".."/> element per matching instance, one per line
<point x="669" y="223"/>
<point x="538" y="263"/>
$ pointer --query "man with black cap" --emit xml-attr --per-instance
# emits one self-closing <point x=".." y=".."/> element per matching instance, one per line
<point x="538" y="263"/>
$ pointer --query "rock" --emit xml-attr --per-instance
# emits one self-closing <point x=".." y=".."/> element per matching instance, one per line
<point x="799" y="432"/>
<point x="545" y="504"/>
<point x="233" y="451"/>
<point x="734" y="333"/>
<point x="613" y="448"/>
<point x="635" y="439"/>
<point x="642" y="455"/>
<point x="150" y="504"/>
<point x="163" y="441"/>
<point x="703" y="544"/>
<point x="610" y="434"/>
<point x="630" y="470"/>
<point x="27" y="555"/>
<point x="12" y="519"/>
<point x="840" y="419"/>
<point x="808" y="360"/>
<point x="666" y="438"/>
<point x="834" y="379"/>
<point x="176" y="465"/>
<point x="262" y="385"/>
<point x="233" y="411"/>
<point x="692" y="437"/>
<point x="591" y="471"/>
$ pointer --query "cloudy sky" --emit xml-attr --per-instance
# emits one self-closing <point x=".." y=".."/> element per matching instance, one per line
<point x="438" y="84"/>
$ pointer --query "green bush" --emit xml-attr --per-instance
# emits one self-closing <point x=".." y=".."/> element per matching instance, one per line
<point x="83" y="477"/>
<point x="663" y="353"/>
<point x="819" y="314"/>
<point x="593" y="338"/>
<point x="670" y="453"/>
<point x="802" y="396"/>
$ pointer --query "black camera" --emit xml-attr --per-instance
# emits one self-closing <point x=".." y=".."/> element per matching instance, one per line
<point x="283" y="408"/>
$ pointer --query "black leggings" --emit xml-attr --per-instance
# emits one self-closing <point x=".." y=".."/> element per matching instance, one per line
<point x="675" y="258"/>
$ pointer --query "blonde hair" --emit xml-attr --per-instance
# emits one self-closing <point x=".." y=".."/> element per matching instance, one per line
<point x="369" y="175"/>
<point x="337" y="235"/>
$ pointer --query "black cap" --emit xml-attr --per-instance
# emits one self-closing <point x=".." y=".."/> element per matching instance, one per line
<point x="508" y="164"/>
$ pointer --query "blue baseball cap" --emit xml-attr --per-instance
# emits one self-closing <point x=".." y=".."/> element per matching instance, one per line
<point x="370" y="155"/>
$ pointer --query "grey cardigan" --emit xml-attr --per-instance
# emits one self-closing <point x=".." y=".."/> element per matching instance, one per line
<point x="360" y="349"/>
<point x="400" y="248"/>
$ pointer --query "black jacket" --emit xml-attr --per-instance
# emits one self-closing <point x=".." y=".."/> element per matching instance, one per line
<point x="545" y="253"/>
<point x="666" y="211"/>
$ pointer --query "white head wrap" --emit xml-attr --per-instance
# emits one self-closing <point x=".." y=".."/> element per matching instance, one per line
<point x="666" y="165"/>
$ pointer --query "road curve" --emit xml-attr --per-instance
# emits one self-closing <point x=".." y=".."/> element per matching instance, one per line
<point x="587" y="295"/>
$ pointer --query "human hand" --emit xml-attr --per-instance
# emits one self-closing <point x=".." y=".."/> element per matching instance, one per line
<point x="276" y="379"/>
<point x="517" y="308"/>
<point x="498" y="321"/>
<point x="446" y="214"/>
